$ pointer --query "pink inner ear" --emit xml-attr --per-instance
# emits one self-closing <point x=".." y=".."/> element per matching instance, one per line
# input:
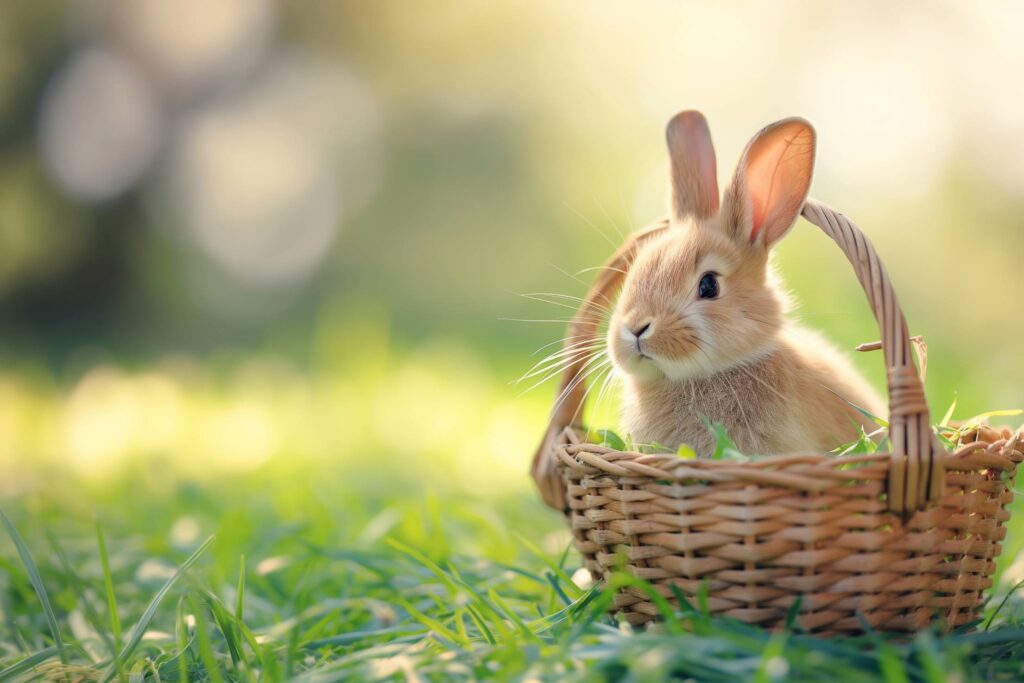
<point x="780" y="163"/>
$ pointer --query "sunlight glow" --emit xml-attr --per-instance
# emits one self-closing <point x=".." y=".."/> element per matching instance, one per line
<point x="241" y="435"/>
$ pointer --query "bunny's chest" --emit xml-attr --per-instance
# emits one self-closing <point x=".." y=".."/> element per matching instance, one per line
<point x="752" y="409"/>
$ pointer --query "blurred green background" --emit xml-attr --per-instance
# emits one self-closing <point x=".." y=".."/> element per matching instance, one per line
<point x="240" y="231"/>
<point x="244" y="237"/>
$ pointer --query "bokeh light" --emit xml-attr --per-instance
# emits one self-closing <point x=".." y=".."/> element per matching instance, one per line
<point x="190" y="46"/>
<point x="255" y="172"/>
<point x="99" y="125"/>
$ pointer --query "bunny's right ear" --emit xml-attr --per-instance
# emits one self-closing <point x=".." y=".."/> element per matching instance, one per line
<point x="771" y="182"/>
<point x="694" y="177"/>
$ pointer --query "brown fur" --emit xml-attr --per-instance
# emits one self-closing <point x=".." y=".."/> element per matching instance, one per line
<point x="786" y="401"/>
<point x="733" y="359"/>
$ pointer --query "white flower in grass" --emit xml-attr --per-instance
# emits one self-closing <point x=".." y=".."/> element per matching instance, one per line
<point x="185" y="531"/>
<point x="153" y="570"/>
<point x="583" y="578"/>
<point x="272" y="564"/>
<point x="777" y="667"/>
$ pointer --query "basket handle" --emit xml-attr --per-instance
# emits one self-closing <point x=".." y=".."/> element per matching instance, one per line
<point x="916" y="468"/>
<point x="916" y="471"/>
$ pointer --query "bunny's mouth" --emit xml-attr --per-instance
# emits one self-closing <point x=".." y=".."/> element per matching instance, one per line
<point x="636" y="359"/>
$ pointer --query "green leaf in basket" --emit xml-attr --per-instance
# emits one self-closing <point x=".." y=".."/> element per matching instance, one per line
<point x="725" y="448"/>
<point x="946" y="442"/>
<point x="610" y="439"/>
<point x="949" y="414"/>
<point x="952" y="436"/>
<point x="686" y="452"/>
<point x="874" y="418"/>
<point x="981" y="419"/>
<point x="862" y="445"/>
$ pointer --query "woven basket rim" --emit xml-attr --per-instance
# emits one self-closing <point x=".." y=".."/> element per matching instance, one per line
<point x="803" y="471"/>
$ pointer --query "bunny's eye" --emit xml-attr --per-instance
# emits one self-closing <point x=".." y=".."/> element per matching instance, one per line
<point x="708" y="287"/>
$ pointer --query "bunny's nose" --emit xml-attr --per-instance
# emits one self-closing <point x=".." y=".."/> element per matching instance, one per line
<point x="639" y="330"/>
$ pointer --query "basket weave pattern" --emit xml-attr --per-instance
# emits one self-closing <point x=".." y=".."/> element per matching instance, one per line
<point x="763" y="533"/>
<point x="893" y="540"/>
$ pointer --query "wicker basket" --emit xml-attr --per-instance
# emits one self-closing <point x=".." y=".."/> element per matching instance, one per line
<point x="892" y="540"/>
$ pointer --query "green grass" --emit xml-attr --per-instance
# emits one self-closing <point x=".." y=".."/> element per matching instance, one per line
<point x="316" y="575"/>
<point x="361" y="548"/>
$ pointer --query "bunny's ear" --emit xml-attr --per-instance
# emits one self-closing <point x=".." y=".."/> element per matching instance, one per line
<point x="772" y="181"/>
<point x="694" y="177"/>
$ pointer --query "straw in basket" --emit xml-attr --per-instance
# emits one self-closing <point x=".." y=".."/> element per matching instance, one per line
<point x="891" y="540"/>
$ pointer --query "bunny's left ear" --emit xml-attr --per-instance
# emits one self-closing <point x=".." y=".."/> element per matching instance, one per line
<point x="772" y="181"/>
<point x="693" y="174"/>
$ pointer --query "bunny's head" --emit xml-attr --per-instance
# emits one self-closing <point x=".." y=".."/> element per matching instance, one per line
<point x="701" y="298"/>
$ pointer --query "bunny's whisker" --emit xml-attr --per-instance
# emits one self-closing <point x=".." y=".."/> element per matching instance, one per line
<point x="603" y="296"/>
<point x="560" y="358"/>
<point x="611" y="222"/>
<point x="591" y="224"/>
<point x="593" y="268"/>
<point x="561" y="321"/>
<point x="565" y="395"/>
<point x="609" y="377"/>
<point x="561" y="304"/>
<point x="598" y="378"/>
<point x="552" y="369"/>
<point x="570" y="297"/>
<point x="539" y="296"/>
<point x="561" y="342"/>
<point x="568" y="274"/>
<point x="576" y="382"/>
<point x="583" y="361"/>
<point x="566" y="349"/>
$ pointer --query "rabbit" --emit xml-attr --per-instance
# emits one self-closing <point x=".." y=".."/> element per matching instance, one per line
<point x="699" y="331"/>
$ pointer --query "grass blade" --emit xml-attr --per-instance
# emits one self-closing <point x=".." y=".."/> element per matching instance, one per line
<point x="438" y="629"/>
<point x="516" y="620"/>
<point x="944" y="422"/>
<point x="182" y="641"/>
<point x="481" y="625"/>
<point x="223" y="622"/>
<point x="37" y="584"/>
<point x="108" y="585"/>
<point x="79" y="588"/>
<point x="240" y="598"/>
<point x="18" y="668"/>
<point x="203" y="643"/>
<point x="1002" y="603"/>
<point x="147" y="616"/>
<point x="573" y="589"/>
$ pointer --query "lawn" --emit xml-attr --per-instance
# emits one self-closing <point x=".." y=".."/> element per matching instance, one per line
<point x="353" y="546"/>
